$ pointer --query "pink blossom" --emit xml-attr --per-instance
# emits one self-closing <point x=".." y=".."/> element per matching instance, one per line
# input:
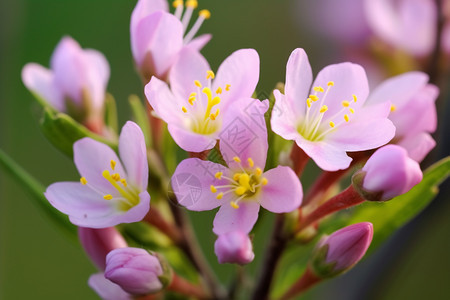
<point x="328" y="120"/>
<point x="341" y="250"/>
<point x="97" y="243"/>
<point x="76" y="82"/>
<point x="157" y="35"/>
<point x="107" y="289"/>
<point x="197" y="104"/>
<point x="243" y="186"/>
<point x="389" y="172"/>
<point x="135" y="270"/>
<point x="110" y="191"/>
<point x="413" y="111"/>
<point x="234" y="247"/>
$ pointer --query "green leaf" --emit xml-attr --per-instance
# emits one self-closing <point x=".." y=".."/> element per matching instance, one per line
<point x="62" y="131"/>
<point x="140" y="117"/>
<point x="36" y="191"/>
<point x="111" y="113"/>
<point x="389" y="216"/>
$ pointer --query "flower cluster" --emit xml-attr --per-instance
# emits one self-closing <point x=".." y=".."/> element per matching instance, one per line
<point x="228" y="160"/>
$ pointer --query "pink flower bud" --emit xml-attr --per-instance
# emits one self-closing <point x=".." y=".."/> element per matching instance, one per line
<point x="135" y="270"/>
<point x="341" y="250"/>
<point x="234" y="247"/>
<point x="99" y="242"/>
<point x="388" y="173"/>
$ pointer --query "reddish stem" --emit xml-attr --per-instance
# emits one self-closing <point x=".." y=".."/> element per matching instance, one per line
<point x="299" y="159"/>
<point x="95" y="125"/>
<point x="201" y="155"/>
<point x="156" y="128"/>
<point x="155" y="219"/>
<point x="308" y="280"/>
<point x="345" y="199"/>
<point x="182" y="286"/>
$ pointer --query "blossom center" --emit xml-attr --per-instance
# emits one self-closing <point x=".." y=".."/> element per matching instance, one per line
<point x="203" y="112"/>
<point x="128" y="198"/>
<point x="317" y="123"/>
<point x="244" y="184"/>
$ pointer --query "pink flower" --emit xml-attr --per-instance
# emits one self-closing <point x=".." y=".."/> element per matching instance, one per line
<point x="388" y="173"/>
<point x="340" y="251"/>
<point x="198" y="103"/>
<point x="242" y="187"/>
<point x="106" y="289"/>
<point x="234" y="247"/>
<point x="97" y="243"/>
<point x="157" y="35"/>
<point x="413" y="111"/>
<point x="135" y="270"/>
<point x="328" y="120"/>
<point x="110" y="191"/>
<point x="406" y="24"/>
<point x="76" y="82"/>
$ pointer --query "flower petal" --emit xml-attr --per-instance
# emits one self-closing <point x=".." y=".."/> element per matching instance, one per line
<point x="107" y="289"/>
<point x="418" y="145"/>
<point x="144" y="8"/>
<point x="192" y="182"/>
<point x="244" y="133"/>
<point x="349" y="79"/>
<point x="190" y="141"/>
<point x="97" y="70"/>
<point x="39" y="80"/>
<point x="134" y="154"/>
<point x="189" y="66"/>
<point x="283" y="192"/>
<point x="91" y="159"/>
<point x="199" y="42"/>
<point x="231" y="219"/>
<point x="241" y="71"/>
<point x="283" y="121"/>
<point x="298" y="80"/>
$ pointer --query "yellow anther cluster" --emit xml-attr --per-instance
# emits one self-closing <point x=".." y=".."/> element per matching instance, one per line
<point x="210" y="74"/>
<point x="115" y="176"/>
<point x="205" y="14"/>
<point x="177" y="3"/>
<point x="318" y="89"/>
<point x="83" y="180"/>
<point x="192" y="3"/>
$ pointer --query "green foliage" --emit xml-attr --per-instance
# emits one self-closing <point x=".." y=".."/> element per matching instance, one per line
<point x="111" y="119"/>
<point x="140" y="117"/>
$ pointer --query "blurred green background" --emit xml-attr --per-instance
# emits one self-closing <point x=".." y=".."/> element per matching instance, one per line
<point x="38" y="262"/>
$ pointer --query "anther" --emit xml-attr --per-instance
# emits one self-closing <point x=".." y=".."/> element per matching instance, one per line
<point x="354" y="98"/>
<point x="197" y="83"/>
<point x="331" y="124"/>
<point x="250" y="162"/>
<point x="346" y="118"/>
<point x="314" y="98"/>
<point x="219" y="196"/>
<point x="83" y="180"/>
<point x="218" y="175"/>
<point x="264" y="181"/>
<point x="213" y="189"/>
<point x="227" y="87"/>
<point x="258" y="171"/>
<point x="318" y="89"/>
<point x="393" y="107"/>
<point x="351" y="110"/>
<point x="124" y="182"/>
<point x="205" y="14"/>
<point x="237" y="159"/>
<point x="308" y="102"/>
<point x="116" y="176"/>
<point x="236" y="176"/>
<point x="210" y="74"/>
<point x="219" y="90"/>
<point x="177" y="3"/>
<point x="323" y="109"/>
<point x="345" y="103"/>
<point x="192" y="3"/>
<point x="240" y="190"/>
<point x="113" y="164"/>
<point x="184" y="109"/>
<point x="234" y="205"/>
<point x="330" y="83"/>
<point x="108" y="197"/>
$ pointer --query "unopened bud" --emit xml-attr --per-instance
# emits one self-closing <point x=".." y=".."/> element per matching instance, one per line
<point x="388" y="173"/>
<point x="234" y="247"/>
<point x="341" y="250"/>
<point x="136" y="271"/>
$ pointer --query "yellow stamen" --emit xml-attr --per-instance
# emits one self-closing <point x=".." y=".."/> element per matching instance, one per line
<point x="346" y="118"/>
<point x="264" y="181"/>
<point x="237" y="159"/>
<point x="244" y="181"/>
<point x="116" y="176"/>
<point x="345" y="103"/>
<point x="211" y="101"/>
<point x="218" y="175"/>
<point x="393" y="107"/>
<point x="83" y="180"/>
<point x="323" y="109"/>
<point x="197" y="83"/>
<point x="330" y="83"/>
<point x="205" y="14"/>
<point x="250" y="162"/>
<point x="210" y="74"/>
<point x="308" y="102"/>
<point x="314" y="98"/>
<point x="192" y="3"/>
<point x="126" y="194"/>
<point x="234" y="205"/>
<point x="177" y="3"/>
<point x="318" y="89"/>
<point x="124" y="182"/>
<point x="191" y="100"/>
<point x="351" y="110"/>
<point x="331" y="124"/>
<point x="354" y="98"/>
<point x="227" y="87"/>
<point x="236" y="176"/>
<point x="219" y="90"/>
<point x="184" y="109"/>
<point x="219" y="196"/>
<point x="240" y="190"/>
<point x="213" y="189"/>
<point x="113" y="164"/>
<point x="108" y="197"/>
<point x="258" y="171"/>
<point x="212" y="117"/>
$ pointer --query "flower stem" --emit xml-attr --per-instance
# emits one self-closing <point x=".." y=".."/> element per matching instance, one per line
<point x="308" y="280"/>
<point x="182" y="286"/>
<point x="299" y="159"/>
<point x="155" y="219"/>
<point x="273" y="253"/>
<point x="345" y="199"/>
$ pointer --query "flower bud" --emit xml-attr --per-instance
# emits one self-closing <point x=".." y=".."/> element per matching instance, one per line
<point x="99" y="242"/>
<point x="388" y="173"/>
<point x="106" y="289"/>
<point x="136" y="271"/>
<point x="341" y="250"/>
<point x="234" y="247"/>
